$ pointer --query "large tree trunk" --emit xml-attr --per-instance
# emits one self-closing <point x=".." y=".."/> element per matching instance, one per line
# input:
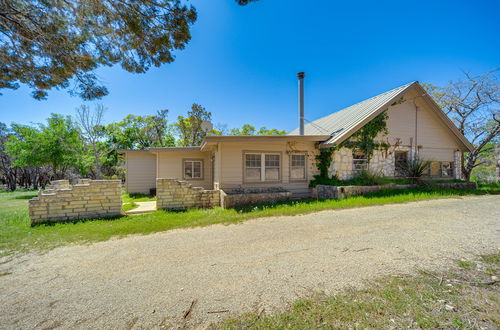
<point x="498" y="169"/>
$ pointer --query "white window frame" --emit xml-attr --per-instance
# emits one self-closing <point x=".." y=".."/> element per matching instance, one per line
<point x="449" y="172"/>
<point x="262" y="165"/>
<point x="359" y="161"/>
<point x="192" y="161"/>
<point x="305" y="166"/>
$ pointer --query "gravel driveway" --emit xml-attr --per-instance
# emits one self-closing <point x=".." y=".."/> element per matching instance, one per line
<point x="149" y="281"/>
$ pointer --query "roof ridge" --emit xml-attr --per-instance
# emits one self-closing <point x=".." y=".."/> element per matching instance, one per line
<point x="365" y="100"/>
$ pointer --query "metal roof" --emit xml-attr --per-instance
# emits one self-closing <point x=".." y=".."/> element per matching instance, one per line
<point x="341" y="122"/>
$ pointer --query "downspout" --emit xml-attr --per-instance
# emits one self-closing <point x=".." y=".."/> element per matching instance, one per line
<point x="126" y="171"/>
<point x="157" y="164"/>
<point x="416" y="129"/>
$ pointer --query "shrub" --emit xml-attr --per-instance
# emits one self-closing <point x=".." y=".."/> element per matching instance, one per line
<point x="367" y="178"/>
<point x="329" y="181"/>
<point x="415" y="169"/>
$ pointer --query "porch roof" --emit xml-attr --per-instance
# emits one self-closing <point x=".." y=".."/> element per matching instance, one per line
<point x="159" y="149"/>
<point x="213" y="140"/>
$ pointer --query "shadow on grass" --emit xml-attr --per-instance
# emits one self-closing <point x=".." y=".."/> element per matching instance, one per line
<point x="140" y="195"/>
<point x="25" y="196"/>
<point x="49" y="223"/>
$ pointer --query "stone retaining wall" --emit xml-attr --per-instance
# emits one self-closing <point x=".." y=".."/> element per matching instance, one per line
<point x="176" y="194"/>
<point x="339" y="192"/>
<point x="87" y="199"/>
<point x="235" y="200"/>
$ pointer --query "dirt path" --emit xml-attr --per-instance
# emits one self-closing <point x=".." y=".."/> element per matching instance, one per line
<point x="150" y="281"/>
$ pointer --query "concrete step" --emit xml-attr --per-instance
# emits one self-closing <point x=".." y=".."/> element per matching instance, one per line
<point x="144" y="207"/>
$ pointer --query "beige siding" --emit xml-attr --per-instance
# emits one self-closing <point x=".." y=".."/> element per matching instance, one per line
<point x="170" y="165"/>
<point x="141" y="172"/>
<point x="216" y="165"/>
<point x="437" y="154"/>
<point x="434" y="138"/>
<point x="232" y="164"/>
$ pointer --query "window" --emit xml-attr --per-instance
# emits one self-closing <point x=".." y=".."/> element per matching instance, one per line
<point x="447" y="169"/>
<point x="262" y="167"/>
<point x="400" y="162"/>
<point x="253" y="166"/>
<point x="359" y="162"/>
<point x="441" y="169"/>
<point x="193" y="169"/>
<point x="272" y="167"/>
<point x="298" y="167"/>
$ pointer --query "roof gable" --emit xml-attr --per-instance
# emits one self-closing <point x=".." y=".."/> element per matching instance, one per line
<point x="341" y="121"/>
<point x="342" y="124"/>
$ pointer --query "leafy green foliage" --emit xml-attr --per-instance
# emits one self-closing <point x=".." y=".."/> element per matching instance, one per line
<point x="324" y="159"/>
<point x="57" y="144"/>
<point x="415" y="169"/>
<point x="364" y="178"/>
<point x="248" y="129"/>
<point x="323" y="162"/>
<point x="364" y="139"/>
<point x="49" y="44"/>
<point x="367" y="178"/>
<point x="190" y="129"/>
<point x="140" y="132"/>
<point x="7" y="171"/>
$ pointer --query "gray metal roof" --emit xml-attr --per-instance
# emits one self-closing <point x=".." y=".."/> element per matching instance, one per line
<point x="341" y="122"/>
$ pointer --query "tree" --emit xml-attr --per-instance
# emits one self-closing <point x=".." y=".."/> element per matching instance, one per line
<point x="8" y="173"/>
<point x="57" y="144"/>
<point x="91" y="122"/>
<point x="140" y="132"/>
<point x="274" y="131"/>
<point x="133" y="132"/>
<point x="473" y="104"/>
<point x="248" y="129"/>
<point x="190" y="129"/>
<point x="50" y="44"/>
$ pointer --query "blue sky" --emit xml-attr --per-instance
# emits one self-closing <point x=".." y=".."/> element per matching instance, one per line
<point x="241" y="63"/>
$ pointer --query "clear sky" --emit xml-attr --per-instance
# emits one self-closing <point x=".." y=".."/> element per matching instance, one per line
<point x="241" y="63"/>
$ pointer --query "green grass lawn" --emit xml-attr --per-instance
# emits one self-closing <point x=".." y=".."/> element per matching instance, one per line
<point x="17" y="236"/>
<point x="464" y="297"/>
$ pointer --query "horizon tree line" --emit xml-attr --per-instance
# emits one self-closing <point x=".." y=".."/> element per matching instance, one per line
<point x="70" y="147"/>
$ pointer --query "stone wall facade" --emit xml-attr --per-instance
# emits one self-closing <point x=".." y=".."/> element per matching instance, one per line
<point x="176" y="194"/>
<point x="86" y="199"/>
<point x="457" y="165"/>
<point x="381" y="162"/>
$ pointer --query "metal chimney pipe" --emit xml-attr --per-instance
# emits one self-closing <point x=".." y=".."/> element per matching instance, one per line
<point x="301" y="76"/>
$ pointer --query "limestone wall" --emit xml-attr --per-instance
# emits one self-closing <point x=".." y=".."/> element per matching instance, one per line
<point x="87" y="199"/>
<point x="176" y="194"/>
<point x="339" y="192"/>
<point x="235" y="200"/>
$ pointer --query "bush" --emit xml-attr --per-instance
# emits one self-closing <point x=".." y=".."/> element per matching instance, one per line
<point x="367" y="178"/>
<point x="328" y="181"/>
<point x="364" y="178"/>
<point x="415" y="169"/>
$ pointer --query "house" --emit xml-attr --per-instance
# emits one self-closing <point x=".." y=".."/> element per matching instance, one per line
<point x="416" y="126"/>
